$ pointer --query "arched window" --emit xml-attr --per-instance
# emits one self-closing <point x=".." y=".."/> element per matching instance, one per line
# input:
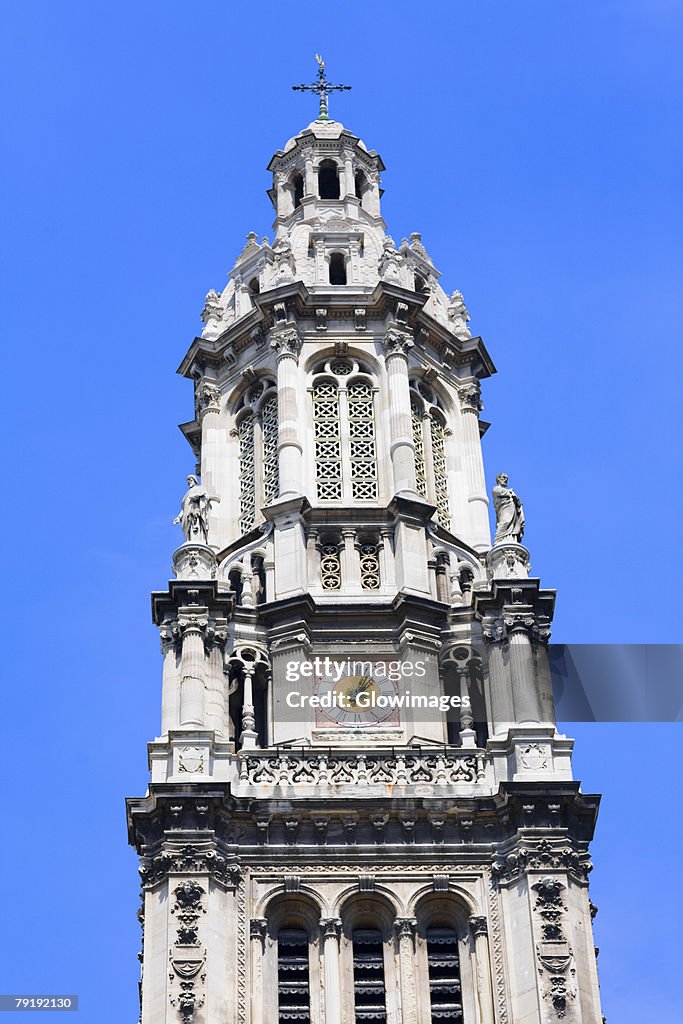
<point x="362" y="442"/>
<point x="370" y="1001"/>
<point x="438" y="432"/>
<point x="328" y="180"/>
<point x="327" y="440"/>
<point x="257" y="430"/>
<point x="270" y="463"/>
<point x="443" y="966"/>
<point x="360" y="184"/>
<point x="337" y="268"/>
<point x="429" y="440"/>
<point x="293" y="981"/>
<point x="420" y="284"/>
<point x="245" y="433"/>
<point x="298" y="188"/>
<point x="418" y="441"/>
<point x="254" y="286"/>
<point x="343" y="411"/>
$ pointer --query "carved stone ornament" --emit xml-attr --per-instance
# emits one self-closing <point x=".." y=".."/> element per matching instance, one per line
<point x="397" y="342"/>
<point x="558" y="974"/>
<point x="479" y="926"/>
<point x="286" y="343"/>
<point x="405" y="927"/>
<point x="330" y="927"/>
<point x="258" y="927"/>
<point x="212" y="308"/>
<point x="470" y="397"/>
<point x="189" y="859"/>
<point x="542" y="857"/>
<point x="207" y="398"/>
<point x="191" y="760"/>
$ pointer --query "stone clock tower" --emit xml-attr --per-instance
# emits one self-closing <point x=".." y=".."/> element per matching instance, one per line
<point x="360" y="809"/>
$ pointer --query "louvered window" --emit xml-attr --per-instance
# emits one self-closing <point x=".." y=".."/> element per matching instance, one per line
<point x="444" y="976"/>
<point x="294" y="996"/>
<point x="368" y="977"/>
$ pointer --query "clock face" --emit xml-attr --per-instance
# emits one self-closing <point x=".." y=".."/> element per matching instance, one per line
<point x="356" y="700"/>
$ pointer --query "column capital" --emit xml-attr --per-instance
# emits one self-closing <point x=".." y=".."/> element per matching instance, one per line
<point x="405" y="927"/>
<point x="207" y="398"/>
<point x="470" y="397"/>
<point x="258" y="927"/>
<point x="397" y="341"/>
<point x="286" y="342"/>
<point x="330" y="927"/>
<point x="478" y="926"/>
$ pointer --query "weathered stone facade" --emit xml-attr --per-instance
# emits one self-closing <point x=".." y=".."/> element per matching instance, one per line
<point x="334" y="867"/>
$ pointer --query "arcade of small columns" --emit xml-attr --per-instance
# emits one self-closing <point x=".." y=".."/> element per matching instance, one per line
<point x="329" y="925"/>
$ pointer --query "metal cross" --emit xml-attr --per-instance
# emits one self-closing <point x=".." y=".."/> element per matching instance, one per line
<point x="322" y="87"/>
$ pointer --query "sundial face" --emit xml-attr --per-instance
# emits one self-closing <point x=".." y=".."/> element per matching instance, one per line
<point x="356" y="700"/>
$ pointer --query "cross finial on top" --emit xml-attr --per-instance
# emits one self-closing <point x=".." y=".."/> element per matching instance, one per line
<point x="322" y="87"/>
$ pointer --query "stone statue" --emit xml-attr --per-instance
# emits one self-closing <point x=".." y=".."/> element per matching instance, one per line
<point x="458" y="315"/>
<point x="194" y="512"/>
<point x="509" y="513"/>
<point x="212" y="307"/>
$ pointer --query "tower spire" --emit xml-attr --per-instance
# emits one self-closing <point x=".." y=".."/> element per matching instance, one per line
<point x="322" y="87"/>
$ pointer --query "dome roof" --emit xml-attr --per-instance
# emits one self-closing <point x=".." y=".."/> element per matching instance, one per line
<point x="321" y="130"/>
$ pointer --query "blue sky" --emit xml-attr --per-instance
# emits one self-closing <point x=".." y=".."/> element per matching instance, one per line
<point x="537" y="147"/>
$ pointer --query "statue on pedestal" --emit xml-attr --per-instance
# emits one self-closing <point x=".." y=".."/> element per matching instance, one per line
<point x="194" y="512"/>
<point x="509" y="513"/>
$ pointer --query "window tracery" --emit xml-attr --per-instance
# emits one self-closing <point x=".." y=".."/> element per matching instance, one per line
<point x="344" y="415"/>
<point x="257" y="431"/>
<point x="369" y="565"/>
<point x="330" y="565"/>
<point x="429" y="440"/>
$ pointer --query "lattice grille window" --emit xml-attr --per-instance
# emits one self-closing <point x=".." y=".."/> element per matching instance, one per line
<point x="294" y="995"/>
<point x="330" y="566"/>
<point x="370" y="1002"/>
<point x="443" y="509"/>
<point x="362" y="442"/>
<point x="328" y="462"/>
<point x="444" y="976"/>
<point x="369" y="566"/>
<point x="270" y="465"/>
<point x="245" y="432"/>
<point x="418" y="441"/>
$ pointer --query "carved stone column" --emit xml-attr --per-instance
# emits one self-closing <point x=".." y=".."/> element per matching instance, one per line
<point x="192" y="670"/>
<point x="480" y="934"/>
<point x="330" y="932"/>
<point x="397" y="344"/>
<point x="351" y="561"/>
<point x="501" y="710"/>
<point x="169" y="682"/>
<point x="248" y="736"/>
<point x="386" y="560"/>
<point x="522" y="670"/>
<point x="405" y="932"/>
<point x="470" y="405"/>
<point x="258" y="928"/>
<point x="207" y="412"/>
<point x="287" y="345"/>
